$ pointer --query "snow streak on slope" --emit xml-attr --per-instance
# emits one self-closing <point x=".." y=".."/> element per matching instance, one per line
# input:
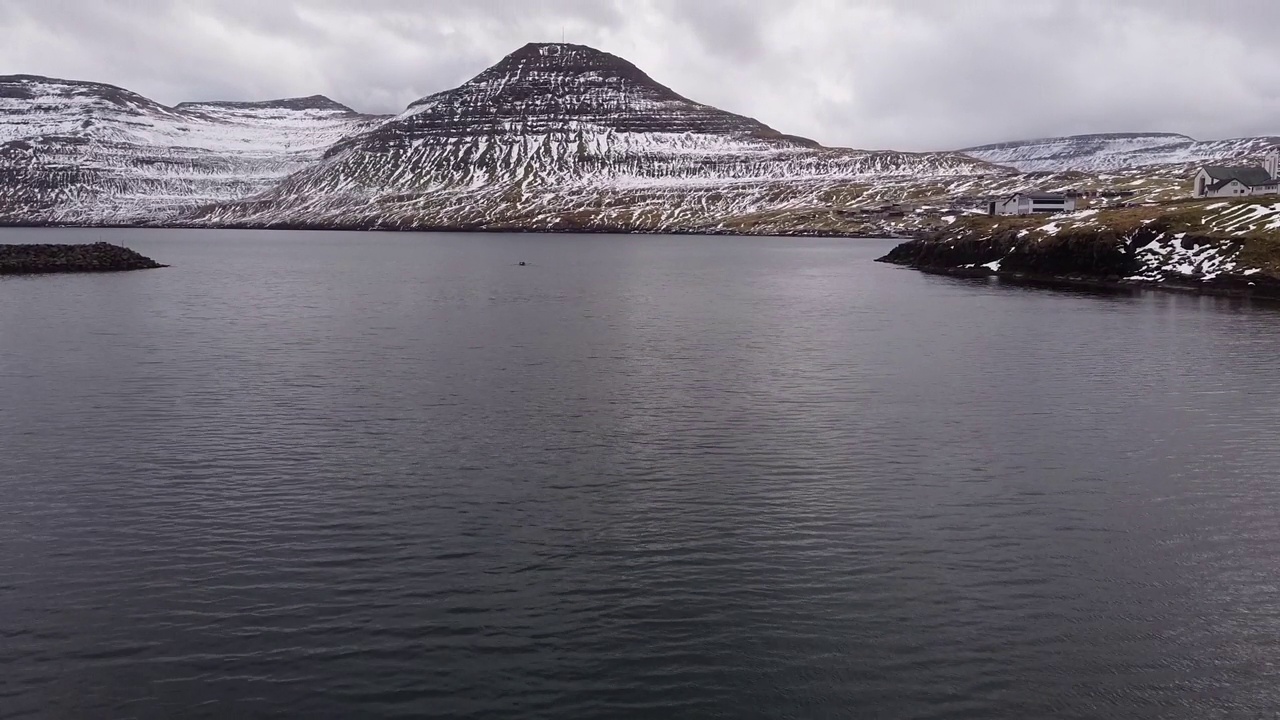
<point x="1113" y="152"/>
<point x="554" y="136"/>
<point x="564" y="136"/>
<point x="74" y="152"/>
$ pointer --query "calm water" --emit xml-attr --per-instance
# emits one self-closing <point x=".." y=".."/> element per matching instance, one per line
<point x="343" y="475"/>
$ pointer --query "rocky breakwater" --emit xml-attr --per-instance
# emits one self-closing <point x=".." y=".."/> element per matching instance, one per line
<point x="1225" y="248"/>
<point x="95" y="257"/>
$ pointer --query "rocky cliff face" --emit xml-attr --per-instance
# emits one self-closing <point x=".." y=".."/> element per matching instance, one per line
<point x="564" y="136"/>
<point x="76" y="152"/>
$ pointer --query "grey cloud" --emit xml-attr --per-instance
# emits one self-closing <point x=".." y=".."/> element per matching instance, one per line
<point x="728" y="28"/>
<point x="926" y="74"/>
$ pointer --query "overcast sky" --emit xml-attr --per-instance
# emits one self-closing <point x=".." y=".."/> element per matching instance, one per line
<point x="910" y="75"/>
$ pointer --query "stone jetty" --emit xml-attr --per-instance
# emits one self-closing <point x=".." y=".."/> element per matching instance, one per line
<point x="95" y="257"/>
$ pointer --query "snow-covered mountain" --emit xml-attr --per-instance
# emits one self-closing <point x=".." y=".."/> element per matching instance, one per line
<point x="1118" y="151"/>
<point x="565" y="136"/>
<point x="79" y="152"/>
<point x="554" y="136"/>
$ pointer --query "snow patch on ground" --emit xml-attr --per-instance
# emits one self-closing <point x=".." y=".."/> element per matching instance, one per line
<point x="1166" y="256"/>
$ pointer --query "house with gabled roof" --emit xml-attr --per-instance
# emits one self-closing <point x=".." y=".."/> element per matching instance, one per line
<point x="1215" y="181"/>
<point x="1032" y="203"/>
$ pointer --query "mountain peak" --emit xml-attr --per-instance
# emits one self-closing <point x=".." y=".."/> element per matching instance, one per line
<point x="552" y="49"/>
<point x="566" y="54"/>
<point x="568" y="61"/>
<point x="562" y="87"/>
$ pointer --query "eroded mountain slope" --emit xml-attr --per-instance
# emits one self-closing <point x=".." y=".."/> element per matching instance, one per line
<point x="77" y="152"/>
<point x="565" y="136"/>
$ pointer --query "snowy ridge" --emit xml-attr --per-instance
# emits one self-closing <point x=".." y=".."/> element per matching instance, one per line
<point x="73" y="152"/>
<point x="1112" y="152"/>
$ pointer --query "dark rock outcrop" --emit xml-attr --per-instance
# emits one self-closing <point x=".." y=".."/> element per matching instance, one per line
<point x="1101" y="255"/>
<point x="96" y="257"/>
<point x="1151" y="256"/>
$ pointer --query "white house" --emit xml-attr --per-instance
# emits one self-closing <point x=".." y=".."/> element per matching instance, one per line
<point x="1213" y="181"/>
<point x="1032" y="202"/>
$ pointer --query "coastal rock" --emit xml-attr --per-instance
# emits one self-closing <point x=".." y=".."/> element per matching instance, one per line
<point x="1093" y="254"/>
<point x="1229" y="248"/>
<point x="95" y="257"/>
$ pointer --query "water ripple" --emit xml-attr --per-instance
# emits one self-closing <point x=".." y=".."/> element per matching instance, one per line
<point x="351" y="475"/>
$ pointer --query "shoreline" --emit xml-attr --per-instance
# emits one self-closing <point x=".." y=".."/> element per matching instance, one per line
<point x="1221" y="249"/>
<point x="1110" y="286"/>
<point x="1233" y="286"/>
<point x="461" y="229"/>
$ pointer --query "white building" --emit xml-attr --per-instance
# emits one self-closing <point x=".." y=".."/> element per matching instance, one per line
<point x="1215" y="181"/>
<point x="1032" y="202"/>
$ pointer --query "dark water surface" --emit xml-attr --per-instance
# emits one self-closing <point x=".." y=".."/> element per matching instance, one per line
<point x="345" y="475"/>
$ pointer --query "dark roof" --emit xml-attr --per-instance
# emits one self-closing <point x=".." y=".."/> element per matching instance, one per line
<point x="1250" y="176"/>
<point x="1037" y="195"/>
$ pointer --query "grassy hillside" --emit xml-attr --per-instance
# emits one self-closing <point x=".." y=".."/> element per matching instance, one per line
<point x="1211" y="244"/>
